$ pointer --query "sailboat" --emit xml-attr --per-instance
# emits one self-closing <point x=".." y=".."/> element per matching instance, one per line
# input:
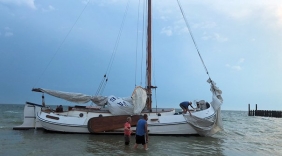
<point x="110" y="112"/>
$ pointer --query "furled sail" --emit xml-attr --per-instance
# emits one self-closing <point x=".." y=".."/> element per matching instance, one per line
<point x="210" y="125"/>
<point x="117" y="106"/>
<point x="74" y="97"/>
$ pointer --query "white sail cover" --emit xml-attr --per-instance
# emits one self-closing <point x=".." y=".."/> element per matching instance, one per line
<point x="120" y="106"/>
<point x="208" y="127"/>
<point x="139" y="98"/>
<point x="128" y="106"/>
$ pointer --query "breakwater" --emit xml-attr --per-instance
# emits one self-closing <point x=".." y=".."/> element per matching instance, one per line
<point x="265" y="113"/>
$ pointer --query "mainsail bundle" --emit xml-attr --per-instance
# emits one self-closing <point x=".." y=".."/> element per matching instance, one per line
<point x="117" y="105"/>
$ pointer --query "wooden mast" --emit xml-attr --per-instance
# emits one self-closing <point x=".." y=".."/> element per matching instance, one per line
<point x="149" y="57"/>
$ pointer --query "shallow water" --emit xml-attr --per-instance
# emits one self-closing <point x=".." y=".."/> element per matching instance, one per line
<point x="242" y="135"/>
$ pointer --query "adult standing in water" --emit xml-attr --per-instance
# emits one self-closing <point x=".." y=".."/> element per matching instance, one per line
<point x="142" y="132"/>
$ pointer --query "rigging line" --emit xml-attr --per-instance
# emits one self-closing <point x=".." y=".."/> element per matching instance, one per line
<point x="191" y="34"/>
<point x="142" y="57"/>
<point x="153" y="56"/>
<point x="99" y="88"/>
<point x="137" y="43"/>
<point x="118" y="39"/>
<point x="102" y="84"/>
<point x="103" y="88"/>
<point x="61" y="43"/>
<point x="156" y="100"/>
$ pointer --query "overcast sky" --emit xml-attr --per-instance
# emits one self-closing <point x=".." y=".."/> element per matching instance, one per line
<point x="67" y="46"/>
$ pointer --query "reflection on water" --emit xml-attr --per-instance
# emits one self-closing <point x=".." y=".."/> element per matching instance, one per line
<point x="111" y="145"/>
<point x="158" y="145"/>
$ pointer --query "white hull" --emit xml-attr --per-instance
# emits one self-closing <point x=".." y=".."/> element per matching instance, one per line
<point x="60" y="127"/>
<point x="71" y="122"/>
<point x="176" y="126"/>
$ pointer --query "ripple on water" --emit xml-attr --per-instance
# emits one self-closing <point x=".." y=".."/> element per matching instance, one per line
<point x="242" y="135"/>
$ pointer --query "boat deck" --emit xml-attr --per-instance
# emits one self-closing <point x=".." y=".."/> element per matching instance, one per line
<point x="105" y="110"/>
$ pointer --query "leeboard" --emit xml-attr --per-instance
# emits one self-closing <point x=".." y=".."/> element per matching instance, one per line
<point x="108" y="123"/>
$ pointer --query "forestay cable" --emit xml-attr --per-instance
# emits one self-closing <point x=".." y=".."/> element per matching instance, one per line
<point x="137" y="32"/>
<point x="191" y="34"/>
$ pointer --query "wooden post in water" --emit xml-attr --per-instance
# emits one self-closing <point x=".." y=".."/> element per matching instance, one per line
<point x="249" y="110"/>
<point x="256" y="111"/>
<point x="265" y="113"/>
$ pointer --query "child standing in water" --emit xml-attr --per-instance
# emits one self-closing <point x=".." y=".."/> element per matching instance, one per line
<point x="127" y="131"/>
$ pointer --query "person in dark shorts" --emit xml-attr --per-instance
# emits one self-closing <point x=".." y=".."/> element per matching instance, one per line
<point x="142" y="132"/>
<point x="127" y="131"/>
<point x="184" y="105"/>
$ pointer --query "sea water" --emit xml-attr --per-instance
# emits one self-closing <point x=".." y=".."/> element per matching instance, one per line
<point x="243" y="135"/>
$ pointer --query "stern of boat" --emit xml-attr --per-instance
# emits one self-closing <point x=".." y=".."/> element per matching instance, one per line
<point x="30" y="120"/>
